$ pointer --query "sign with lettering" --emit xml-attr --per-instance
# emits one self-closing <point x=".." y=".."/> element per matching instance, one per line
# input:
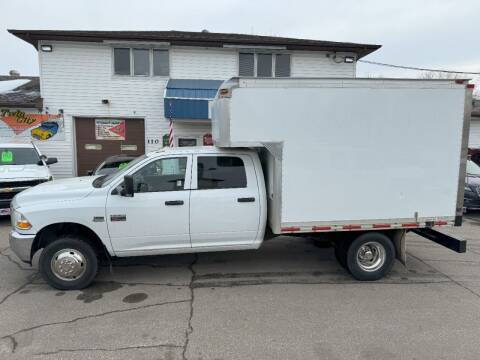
<point x="20" y="125"/>
<point x="109" y="129"/>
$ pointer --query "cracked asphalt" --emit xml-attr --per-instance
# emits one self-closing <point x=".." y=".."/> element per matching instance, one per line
<point x="288" y="300"/>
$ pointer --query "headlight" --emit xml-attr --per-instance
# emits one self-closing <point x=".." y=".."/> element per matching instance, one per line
<point x="20" y="222"/>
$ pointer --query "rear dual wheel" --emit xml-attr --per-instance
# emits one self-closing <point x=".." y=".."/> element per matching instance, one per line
<point x="368" y="257"/>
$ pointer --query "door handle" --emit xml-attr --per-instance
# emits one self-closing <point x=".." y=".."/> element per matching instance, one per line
<point x="174" y="202"/>
<point x="246" y="199"/>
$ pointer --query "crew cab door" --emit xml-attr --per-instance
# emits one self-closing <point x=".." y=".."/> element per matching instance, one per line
<point x="157" y="216"/>
<point x="224" y="202"/>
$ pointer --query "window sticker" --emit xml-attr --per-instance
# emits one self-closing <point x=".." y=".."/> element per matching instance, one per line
<point x="7" y="156"/>
<point x="122" y="165"/>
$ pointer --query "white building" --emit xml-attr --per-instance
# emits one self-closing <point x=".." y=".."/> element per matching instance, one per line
<point x="115" y="92"/>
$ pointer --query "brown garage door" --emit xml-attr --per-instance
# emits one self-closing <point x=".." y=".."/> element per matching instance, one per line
<point x="98" y="139"/>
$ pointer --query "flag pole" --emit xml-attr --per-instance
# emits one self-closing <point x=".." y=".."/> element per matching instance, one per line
<point x="170" y="134"/>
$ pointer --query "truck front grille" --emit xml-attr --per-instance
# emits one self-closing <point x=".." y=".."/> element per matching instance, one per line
<point x="14" y="184"/>
<point x="9" y="189"/>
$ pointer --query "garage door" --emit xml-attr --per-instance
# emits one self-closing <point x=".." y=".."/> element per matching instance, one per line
<point x="97" y="139"/>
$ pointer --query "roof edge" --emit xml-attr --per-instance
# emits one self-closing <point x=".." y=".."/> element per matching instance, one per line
<point x="186" y="38"/>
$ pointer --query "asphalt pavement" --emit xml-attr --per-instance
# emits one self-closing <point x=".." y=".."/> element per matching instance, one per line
<point x="288" y="300"/>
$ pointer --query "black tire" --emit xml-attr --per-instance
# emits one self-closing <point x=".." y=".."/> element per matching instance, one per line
<point x="379" y="244"/>
<point x="341" y="247"/>
<point x="78" y="246"/>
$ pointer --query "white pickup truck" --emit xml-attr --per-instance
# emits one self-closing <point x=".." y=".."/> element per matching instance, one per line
<point x="22" y="166"/>
<point x="355" y="161"/>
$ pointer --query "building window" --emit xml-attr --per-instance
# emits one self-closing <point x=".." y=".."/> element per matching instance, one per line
<point x="121" y="61"/>
<point x="187" y="142"/>
<point x="282" y="65"/>
<point x="264" y="65"/>
<point x="161" y="65"/>
<point x="220" y="172"/>
<point x="141" y="62"/>
<point x="246" y="64"/>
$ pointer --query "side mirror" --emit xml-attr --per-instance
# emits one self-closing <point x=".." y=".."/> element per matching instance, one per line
<point x="50" y="161"/>
<point x="42" y="159"/>
<point x="127" y="190"/>
<point x="90" y="172"/>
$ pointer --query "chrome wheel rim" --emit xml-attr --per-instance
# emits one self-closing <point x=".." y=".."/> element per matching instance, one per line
<point x="371" y="256"/>
<point x="68" y="264"/>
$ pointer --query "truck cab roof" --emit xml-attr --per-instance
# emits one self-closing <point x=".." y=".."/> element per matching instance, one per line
<point x="199" y="150"/>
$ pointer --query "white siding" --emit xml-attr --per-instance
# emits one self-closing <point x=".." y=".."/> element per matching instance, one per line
<point x="190" y="129"/>
<point x="76" y="77"/>
<point x="201" y="63"/>
<point x="317" y="64"/>
<point x="474" y="140"/>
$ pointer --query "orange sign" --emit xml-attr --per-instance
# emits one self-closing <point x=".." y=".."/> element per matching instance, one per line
<point x="19" y="121"/>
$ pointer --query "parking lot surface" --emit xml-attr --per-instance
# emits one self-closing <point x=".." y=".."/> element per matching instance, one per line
<point x="288" y="300"/>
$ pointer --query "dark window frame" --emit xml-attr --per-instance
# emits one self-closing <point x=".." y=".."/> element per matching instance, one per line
<point x="242" y="179"/>
<point x="149" y="62"/>
<point x="162" y="159"/>
<point x="156" y="50"/>
<point x="285" y="72"/>
<point x="249" y="54"/>
<point x="269" y="63"/>
<point x="184" y="141"/>
<point x="115" y="71"/>
<point x="274" y="71"/>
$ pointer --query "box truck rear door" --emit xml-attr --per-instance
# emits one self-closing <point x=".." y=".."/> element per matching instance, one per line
<point x="224" y="201"/>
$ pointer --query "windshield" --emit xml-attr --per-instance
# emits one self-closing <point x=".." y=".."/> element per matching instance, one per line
<point x="106" y="179"/>
<point x="472" y="168"/>
<point x="18" y="156"/>
<point x="109" y="167"/>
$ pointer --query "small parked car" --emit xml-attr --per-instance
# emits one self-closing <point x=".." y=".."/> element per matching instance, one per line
<point x="21" y="167"/>
<point x="112" y="164"/>
<point x="472" y="187"/>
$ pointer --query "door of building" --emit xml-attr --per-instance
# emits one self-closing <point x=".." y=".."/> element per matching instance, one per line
<point x="97" y="139"/>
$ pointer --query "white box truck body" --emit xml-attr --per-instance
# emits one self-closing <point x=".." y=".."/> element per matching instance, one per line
<point x="352" y="154"/>
<point x="352" y="161"/>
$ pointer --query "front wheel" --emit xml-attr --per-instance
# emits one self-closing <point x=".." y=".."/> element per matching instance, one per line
<point x="370" y="256"/>
<point x="68" y="264"/>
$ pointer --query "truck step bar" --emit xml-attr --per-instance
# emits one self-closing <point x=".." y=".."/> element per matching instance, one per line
<point x="448" y="241"/>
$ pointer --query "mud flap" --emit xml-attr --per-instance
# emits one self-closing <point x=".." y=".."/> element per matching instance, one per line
<point x="458" y="245"/>
<point x="398" y="239"/>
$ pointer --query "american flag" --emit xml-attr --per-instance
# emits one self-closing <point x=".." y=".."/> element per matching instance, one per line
<point x="170" y="133"/>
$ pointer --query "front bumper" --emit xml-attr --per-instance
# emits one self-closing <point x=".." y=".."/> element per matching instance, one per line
<point x="21" y="245"/>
